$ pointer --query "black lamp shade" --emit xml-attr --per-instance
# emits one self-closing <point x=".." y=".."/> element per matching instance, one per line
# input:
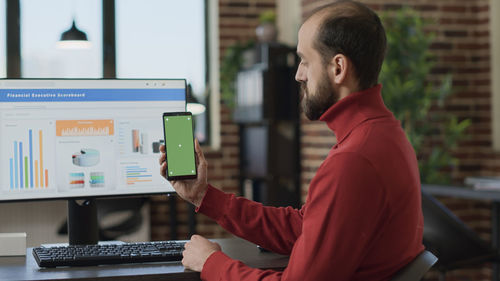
<point x="193" y="105"/>
<point x="73" y="34"/>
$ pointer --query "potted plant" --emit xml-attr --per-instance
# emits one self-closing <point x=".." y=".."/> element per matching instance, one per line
<point x="410" y="96"/>
<point x="230" y="65"/>
<point x="240" y="53"/>
<point x="266" y="31"/>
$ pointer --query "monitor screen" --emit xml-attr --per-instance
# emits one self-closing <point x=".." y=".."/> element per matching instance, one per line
<point x="82" y="138"/>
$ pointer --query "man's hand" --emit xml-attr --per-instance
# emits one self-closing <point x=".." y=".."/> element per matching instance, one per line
<point x="190" y="190"/>
<point x="197" y="251"/>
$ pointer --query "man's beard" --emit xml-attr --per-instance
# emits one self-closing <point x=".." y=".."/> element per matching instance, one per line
<point x="315" y="105"/>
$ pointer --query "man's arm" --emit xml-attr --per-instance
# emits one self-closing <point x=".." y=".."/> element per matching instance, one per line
<point x="345" y="214"/>
<point x="273" y="228"/>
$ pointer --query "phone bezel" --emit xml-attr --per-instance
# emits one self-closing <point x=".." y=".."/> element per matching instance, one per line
<point x="182" y="113"/>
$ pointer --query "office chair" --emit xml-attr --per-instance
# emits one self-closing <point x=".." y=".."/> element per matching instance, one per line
<point x="456" y="245"/>
<point x="416" y="269"/>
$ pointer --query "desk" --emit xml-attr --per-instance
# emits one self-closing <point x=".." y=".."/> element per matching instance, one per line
<point x="25" y="268"/>
<point x="469" y="193"/>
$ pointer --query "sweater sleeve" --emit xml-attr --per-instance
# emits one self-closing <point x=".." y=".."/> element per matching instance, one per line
<point x="273" y="228"/>
<point x="345" y="208"/>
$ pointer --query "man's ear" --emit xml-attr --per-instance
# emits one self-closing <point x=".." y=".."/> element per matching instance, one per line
<point x="339" y="65"/>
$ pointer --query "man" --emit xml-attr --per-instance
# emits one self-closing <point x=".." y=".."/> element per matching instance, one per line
<point x="362" y="219"/>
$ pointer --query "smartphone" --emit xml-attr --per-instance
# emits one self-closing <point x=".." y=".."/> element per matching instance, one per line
<point x="179" y="145"/>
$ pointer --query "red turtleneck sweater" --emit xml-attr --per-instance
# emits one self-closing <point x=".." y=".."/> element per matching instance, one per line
<point x="362" y="219"/>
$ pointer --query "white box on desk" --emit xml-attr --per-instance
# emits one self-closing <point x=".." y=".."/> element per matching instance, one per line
<point x="13" y="244"/>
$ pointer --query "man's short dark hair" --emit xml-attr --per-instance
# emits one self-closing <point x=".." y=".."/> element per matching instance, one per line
<point x="354" y="30"/>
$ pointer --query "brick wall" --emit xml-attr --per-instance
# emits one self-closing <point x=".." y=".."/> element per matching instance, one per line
<point x="462" y="48"/>
<point x="237" y="22"/>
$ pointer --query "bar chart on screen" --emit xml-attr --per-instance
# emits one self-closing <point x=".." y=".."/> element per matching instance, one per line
<point x="25" y="146"/>
<point x="68" y="128"/>
<point x="139" y="173"/>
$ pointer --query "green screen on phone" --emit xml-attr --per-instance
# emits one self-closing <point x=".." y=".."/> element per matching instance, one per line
<point x="179" y="146"/>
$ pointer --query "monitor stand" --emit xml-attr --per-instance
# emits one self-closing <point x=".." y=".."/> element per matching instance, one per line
<point x="82" y="222"/>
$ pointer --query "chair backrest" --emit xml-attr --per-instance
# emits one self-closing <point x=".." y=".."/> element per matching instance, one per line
<point x="416" y="269"/>
<point x="450" y="239"/>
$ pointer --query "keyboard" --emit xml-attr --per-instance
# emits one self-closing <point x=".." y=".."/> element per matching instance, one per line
<point x="84" y="255"/>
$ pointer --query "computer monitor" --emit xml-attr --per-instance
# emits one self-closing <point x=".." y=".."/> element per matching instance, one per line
<point x="83" y="138"/>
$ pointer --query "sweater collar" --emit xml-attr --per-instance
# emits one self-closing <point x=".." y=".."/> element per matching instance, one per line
<point x="357" y="107"/>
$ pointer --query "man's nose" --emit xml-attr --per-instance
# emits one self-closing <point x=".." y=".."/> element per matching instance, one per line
<point x="299" y="75"/>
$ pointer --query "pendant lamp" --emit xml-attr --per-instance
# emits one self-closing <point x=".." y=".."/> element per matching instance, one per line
<point x="73" y="38"/>
<point x="193" y="105"/>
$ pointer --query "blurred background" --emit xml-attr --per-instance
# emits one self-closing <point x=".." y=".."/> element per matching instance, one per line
<point x="440" y="78"/>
